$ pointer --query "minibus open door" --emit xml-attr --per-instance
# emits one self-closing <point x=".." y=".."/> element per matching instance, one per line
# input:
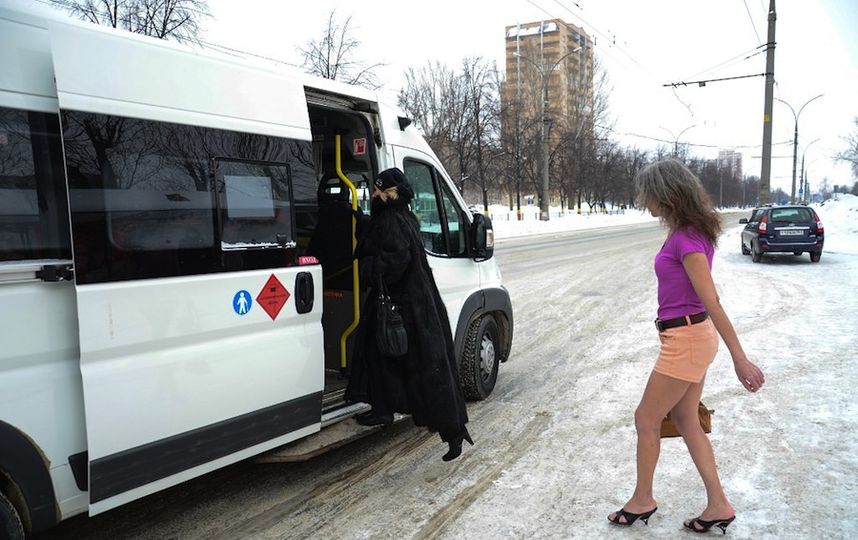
<point x="188" y="373"/>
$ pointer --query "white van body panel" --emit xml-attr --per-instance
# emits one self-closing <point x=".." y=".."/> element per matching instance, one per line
<point x="189" y="359"/>
<point x="41" y="369"/>
<point x="41" y="372"/>
<point x="119" y="73"/>
<point x="27" y="77"/>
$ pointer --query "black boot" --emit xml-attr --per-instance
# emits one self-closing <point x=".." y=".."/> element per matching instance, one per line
<point x="372" y="418"/>
<point x="456" y="446"/>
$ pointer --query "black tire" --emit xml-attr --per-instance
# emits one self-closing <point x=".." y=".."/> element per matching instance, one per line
<point x="11" y="527"/>
<point x="815" y="256"/>
<point x="745" y="251"/>
<point x="478" y="368"/>
<point x="756" y="256"/>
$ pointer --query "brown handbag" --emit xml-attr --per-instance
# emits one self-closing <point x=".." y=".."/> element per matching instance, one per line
<point x="704" y="413"/>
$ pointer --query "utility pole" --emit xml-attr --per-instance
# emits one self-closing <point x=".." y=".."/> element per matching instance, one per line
<point x="796" y="116"/>
<point x="802" y="179"/>
<point x="766" y="173"/>
<point x="543" y="199"/>
<point x="518" y="123"/>
<point x="545" y="75"/>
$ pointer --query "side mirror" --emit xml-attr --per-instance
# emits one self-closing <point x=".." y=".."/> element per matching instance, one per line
<point x="482" y="238"/>
<point x="743" y="220"/>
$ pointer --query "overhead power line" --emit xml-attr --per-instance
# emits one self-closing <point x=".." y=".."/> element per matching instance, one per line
<point x="738" y="58"/>
<point x="703" y="83"/>
<point x="754" y="26"/>
<point x="611" y="40"/>
<point x="699" y="145"/>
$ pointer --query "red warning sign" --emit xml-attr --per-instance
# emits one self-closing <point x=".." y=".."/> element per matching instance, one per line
<point x="273" y="297"/>
<point x="359" y="147"/>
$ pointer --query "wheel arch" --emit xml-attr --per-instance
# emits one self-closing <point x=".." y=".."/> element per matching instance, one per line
<point x="25" y="479"/>
<point x="494" y="301"/>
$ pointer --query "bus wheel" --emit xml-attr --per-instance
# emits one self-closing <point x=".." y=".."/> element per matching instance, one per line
<point x="480" y="359"/>
<point x="10" y="522"/>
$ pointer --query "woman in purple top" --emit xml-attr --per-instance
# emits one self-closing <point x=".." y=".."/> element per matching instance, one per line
<point x="690" y="318"/>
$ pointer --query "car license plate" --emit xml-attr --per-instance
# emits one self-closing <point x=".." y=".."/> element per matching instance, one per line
<point x="792" y="232"/>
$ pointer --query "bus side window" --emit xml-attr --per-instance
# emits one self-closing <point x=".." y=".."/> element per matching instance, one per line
<point x="425" y="206"/>
<point x="456" y="223"/>
<point x="255" y="201"/>
<point x="442" y="225"/>
<point x="144" y="205"/>
<point x="33" y="207"/>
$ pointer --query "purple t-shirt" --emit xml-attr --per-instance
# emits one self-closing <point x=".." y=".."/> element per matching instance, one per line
<point x="676" y="295"/>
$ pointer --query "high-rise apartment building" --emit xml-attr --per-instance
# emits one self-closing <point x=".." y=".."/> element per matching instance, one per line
<point x="732" y="161"/>
<point x="559" y="54"/>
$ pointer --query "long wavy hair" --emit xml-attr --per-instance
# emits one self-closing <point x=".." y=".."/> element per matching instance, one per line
<point x="680" y="197"/>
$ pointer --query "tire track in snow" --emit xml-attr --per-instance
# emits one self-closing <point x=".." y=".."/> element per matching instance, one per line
<point x="441" y="520"/>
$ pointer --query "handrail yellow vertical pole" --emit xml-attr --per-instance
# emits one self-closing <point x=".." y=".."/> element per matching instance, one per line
<point x="355" y="272"/>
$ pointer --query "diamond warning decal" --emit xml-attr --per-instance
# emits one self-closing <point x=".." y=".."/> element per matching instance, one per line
<point x="273" y="297"/>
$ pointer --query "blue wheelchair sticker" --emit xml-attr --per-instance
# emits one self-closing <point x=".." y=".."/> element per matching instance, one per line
<point x="242" y="302"/>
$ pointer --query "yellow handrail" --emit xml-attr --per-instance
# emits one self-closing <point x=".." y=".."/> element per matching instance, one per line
<point x="355" y="272"/>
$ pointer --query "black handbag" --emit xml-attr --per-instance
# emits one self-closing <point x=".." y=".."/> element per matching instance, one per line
<point x="390" y="335"/>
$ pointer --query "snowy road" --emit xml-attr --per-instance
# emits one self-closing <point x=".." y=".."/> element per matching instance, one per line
<point x="555" y="442"/>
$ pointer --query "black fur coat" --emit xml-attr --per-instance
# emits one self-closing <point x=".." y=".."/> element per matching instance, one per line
<point x="425" y="382"/>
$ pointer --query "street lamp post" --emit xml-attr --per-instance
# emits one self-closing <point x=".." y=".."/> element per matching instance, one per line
<point x="803" y="190"/>
<point x="676" y="139"/>
<point x="795" y="140"/>
<point x="546" y="121"/>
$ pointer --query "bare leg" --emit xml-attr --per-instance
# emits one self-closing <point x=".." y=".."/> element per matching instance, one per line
<point x="684" y="415"/>
<point x="659" y="397"/>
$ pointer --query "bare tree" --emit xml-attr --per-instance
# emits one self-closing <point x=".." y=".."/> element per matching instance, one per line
<point x="431" y="98"/>
<point x="581" y="142"/>
<point x="333" y="56"/>
<point x="178" y="20"/>
<point x="850" y="154"/>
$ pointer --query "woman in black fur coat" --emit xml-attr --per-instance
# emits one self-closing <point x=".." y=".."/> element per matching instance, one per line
<point x="425" y="382"/>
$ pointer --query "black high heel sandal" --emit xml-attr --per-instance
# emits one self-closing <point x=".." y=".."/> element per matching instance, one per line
<point x="706" y="525"/>
<point x="631" y="518"/>
<point x="456" y="446"/>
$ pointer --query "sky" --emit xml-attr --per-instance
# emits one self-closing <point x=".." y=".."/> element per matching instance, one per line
<point x="644" y="45"/>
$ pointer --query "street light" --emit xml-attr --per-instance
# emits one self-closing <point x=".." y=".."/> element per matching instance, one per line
<point x="676" y="139"/>
<point x="543" y="199"/>
<point x="795" y="140"/>
<point x="805" y="191"/>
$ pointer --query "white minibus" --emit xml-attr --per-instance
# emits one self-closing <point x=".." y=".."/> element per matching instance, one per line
<point x="177" y="289"/>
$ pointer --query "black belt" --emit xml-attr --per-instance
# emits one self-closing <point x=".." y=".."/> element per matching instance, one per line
<point x="680" y="321"/>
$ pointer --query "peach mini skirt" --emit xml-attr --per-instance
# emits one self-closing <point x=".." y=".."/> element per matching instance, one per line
<point x="687" y="351"/>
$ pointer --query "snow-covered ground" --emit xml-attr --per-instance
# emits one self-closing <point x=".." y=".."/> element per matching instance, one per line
<point x="788" y="455"/>
<point x="841" y="235"/>
<point x="506" y="225"/>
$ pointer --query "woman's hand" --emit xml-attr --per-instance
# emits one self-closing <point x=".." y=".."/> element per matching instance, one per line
<point x="749" y="374"/>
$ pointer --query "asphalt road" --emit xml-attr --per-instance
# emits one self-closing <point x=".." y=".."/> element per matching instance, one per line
<point x="567" y="291"/>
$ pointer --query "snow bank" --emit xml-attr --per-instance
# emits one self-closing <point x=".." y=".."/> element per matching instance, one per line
<point x="840" y="218"/>
<point x="507" y="226"/>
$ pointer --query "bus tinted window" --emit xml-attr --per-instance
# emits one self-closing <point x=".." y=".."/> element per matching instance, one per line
<point x="256" y="204"/>
<point x="456" y="224"/>
<point x="143" y="203"/>
<point x="33" y="209"/>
